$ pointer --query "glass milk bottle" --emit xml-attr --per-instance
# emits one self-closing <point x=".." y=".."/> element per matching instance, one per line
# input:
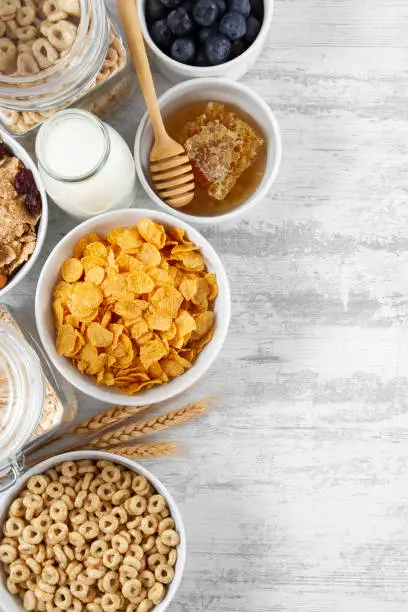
<point x="86" y="166"/>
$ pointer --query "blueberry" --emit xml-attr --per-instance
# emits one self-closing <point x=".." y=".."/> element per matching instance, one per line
<point x="205" y="12"/>
<point x="155" y="10"/>
<point x="161" y="34"/>
<point x="233" y="25"/>
<point x="237" y="48"/>
<point x="183" y="50"/>
<point x="217" y="49"/>
<point x="257" y="9"/>
<point x="201" y="59"/>
<point x="253" y="29"/>
<point x="204" y="33"/>
<point x="180" y="22"/>
<point x="222" y="7"/>
<point x="172" y="3"/>
<point x="240" y="6"/>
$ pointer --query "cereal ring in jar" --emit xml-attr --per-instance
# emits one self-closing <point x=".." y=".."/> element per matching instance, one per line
<point x="57" y="533"/>
<point x="149" y="544"/>
<point x="31" y="535"/>
<point x="47" y="588"/>
<point x="95" y="484"/>
<point x="137" y="505"/>
<point x="165" y="513"/>
<point x="26" y="64"/>
<point x="53" y="11"/>
<point x="108" y="523"/>
<point x="34" y="566"/>
<point x="172" y="557"/>
<point x="12" y="586"/>
<point x="50" y="575"/>
<point x="99" y="548"/>
<point x="92" y="502"/>
<point x="139" y="483"/>
<point x="55" y="490"/>
<point x="44" y="53"/>
<point x="58" y="511"/>
<point x="43" y="595"/>
<point x="156" y="593"/>
<point x="161" y="548"/>
<point x="154" y="560"/>
<point x="106" y="491"/>
<point x="82" y="553"/>
<point x="19" y="572"/>
<point x="17" y="508"/>
<point x="167" y="523"/>
<point x="26" y="33"/>
<point x="43" y="522"/>
<point x="89" y="530"/>
<point x="110" y="582"/>
<point x="25" y="15"/>
<point x="62" y="36"/>
<point x="126" y="480"/>
<point x="69" y="552"/>
<point x="76" y="606"/>
<point x="86" y="482"/>
<point x="134" y="523"/>
<point x="66" y="481"/>
<point x="112" y="559"/>
<point x="60" y="556"/>
<point x="69" y="468"/>
<point x="76" y="539"/>
<point x="170" y="538"/>
<point x="120" y="497"/>
<point x="40" y="555"/>
<point x="156" y="504"/>
<point x="131" y="589"/>
<point x="120" y="513"/>
<point x="52" y="475"/>
<point x="79" y="589"/>
<point x="74" y="569"/>
<point x="63" y="598"/>
<point x="164" y="573"/>
<point x="8" y="8"/>
<point x="149" y="525"/>
<point x="120" y="543"/>
<point x="80" y="498"/>
<point x="33" y="501"/>
<point x="29" y="601"/>
<point x="111" y="602"/>
<point x="127" y="572"/>
<point x="71" y="7"/>
<point x="145" y="606"/>
<point x="8" y="553"/>
<point x="147" y="578"/>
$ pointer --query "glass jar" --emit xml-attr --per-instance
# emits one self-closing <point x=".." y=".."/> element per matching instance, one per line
<point x="34" y="403"/>
<point x="96" y="74"/>
<point x="86" y="166"/>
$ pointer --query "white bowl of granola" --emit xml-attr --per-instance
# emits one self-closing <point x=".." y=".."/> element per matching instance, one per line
<point x="23" y="213"/>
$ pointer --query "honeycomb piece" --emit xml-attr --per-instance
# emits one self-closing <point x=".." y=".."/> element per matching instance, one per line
<point x="221" y="146"/>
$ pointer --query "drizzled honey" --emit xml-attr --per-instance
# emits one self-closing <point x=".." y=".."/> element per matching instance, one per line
<point x="227" y="151"/>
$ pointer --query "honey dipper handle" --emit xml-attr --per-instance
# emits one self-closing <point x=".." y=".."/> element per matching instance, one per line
<point x="133" y="31"/>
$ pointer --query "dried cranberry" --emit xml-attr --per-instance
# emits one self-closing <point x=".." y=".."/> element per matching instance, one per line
<point x="24" y="181"/>
<point x="33" y="201"/>
<point x="5" y="150"/>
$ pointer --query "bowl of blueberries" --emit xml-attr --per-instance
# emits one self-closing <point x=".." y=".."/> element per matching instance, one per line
<point x="205" y="38"/>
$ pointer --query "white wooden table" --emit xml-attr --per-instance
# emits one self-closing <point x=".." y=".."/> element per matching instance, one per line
<point x="294" y="492"/>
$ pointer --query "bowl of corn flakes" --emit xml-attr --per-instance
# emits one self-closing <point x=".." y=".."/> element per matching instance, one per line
<point x="129" y="553"/>
<point x="23" y="213"/>
<point x="133" y="307"/>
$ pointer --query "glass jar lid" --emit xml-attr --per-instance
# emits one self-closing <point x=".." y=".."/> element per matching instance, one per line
<point x="22" y="393"/>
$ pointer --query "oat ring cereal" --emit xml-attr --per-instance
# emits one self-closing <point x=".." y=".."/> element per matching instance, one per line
<point x="70" y="550"/>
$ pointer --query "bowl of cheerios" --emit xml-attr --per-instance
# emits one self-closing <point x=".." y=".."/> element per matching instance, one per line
<point x="89" y="531"/>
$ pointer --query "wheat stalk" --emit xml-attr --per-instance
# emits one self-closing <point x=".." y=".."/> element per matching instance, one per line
<point x="128" y="433"/>
<point x="107" y="418"/>
<point x="147" y="450"/>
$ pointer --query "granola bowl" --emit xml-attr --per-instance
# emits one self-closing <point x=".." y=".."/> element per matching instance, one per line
<point x="41" y="226"/>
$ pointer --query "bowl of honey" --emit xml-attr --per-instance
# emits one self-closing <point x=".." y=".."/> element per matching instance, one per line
<point x="233" y="141"/>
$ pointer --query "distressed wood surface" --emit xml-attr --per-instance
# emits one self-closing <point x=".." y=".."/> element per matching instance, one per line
<point x="294" y="490"/>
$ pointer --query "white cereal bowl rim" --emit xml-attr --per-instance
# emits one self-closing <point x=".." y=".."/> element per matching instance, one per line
<point x="29" y="163"/>
<point x="207" y="70"/>
<point x="8" y="496"/>
<point x="155" y="394"/>
<point x="176" y="92"/>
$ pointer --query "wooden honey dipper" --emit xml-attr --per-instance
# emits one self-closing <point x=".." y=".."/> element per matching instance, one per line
<point x="170" y="167"/>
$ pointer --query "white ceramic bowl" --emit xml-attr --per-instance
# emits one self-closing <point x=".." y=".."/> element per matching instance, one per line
<point x="234" y="69"/>
<point x="11" y="603"/>
<point x="44" y="317"/>
<point x="22" y="154"/>
<point x="217" y="90"/>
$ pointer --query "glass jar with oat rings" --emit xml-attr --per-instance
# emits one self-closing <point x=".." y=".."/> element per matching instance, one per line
<point x="58" y="53"/>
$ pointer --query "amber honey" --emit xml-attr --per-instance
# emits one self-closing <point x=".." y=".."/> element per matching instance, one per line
<point x="247" y="183"/>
